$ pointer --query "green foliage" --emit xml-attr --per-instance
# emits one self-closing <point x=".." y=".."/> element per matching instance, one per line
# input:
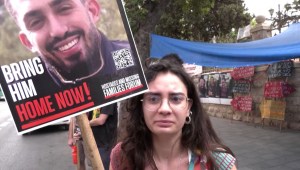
<point x="11" y="50"/>
<point x="110" y="22"/>
<point x="289" y="14"/>
<point x="190" y="19"/>
<point x="137" y="11"/>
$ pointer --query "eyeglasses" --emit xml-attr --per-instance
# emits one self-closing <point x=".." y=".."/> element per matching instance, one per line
<point x="153" y="101"/>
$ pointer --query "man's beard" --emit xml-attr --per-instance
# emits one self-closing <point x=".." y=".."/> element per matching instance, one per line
<point x="89" y="65"/>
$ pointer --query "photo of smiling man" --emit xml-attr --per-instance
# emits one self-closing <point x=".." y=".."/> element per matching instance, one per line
<point x="80" y="67"/>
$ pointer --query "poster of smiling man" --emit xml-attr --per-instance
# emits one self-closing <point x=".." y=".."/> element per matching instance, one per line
<point x="79" y="55"/>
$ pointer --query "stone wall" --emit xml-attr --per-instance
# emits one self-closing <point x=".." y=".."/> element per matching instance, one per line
<point x="292" y="112"/>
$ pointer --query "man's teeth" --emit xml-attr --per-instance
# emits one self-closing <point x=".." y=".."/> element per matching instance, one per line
<point x="68" y="46"/>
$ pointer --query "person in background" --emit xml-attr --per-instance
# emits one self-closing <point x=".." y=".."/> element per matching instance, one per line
<point x="104" y="128"/>
<point x="173" y="59"/>
<point x="103" y="123"/>
<point x="74" y="138"/>
<point x="167" y="128"/>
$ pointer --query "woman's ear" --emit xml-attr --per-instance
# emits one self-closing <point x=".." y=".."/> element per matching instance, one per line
<point x="190" y="106"/>
<point x="94" y="9"/>
<point x="25" y="41"/>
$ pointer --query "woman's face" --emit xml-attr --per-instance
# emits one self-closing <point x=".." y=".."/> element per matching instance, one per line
<point x="166" y="105"/>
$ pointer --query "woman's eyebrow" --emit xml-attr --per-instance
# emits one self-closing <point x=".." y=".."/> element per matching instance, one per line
<point x="177" y="93"/>
<point x="152" y="93"/>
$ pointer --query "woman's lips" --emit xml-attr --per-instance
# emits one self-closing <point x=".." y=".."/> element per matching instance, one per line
<point x="164" y="123"/>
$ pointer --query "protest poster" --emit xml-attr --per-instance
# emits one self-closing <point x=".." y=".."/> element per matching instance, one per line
<point x="288" y="89"/>
<point x="278" y="89"/>
<point x="273" y="89"/>
<point x="241" y="86"/>
<point x="40" y="91"/>
<point x="202" y="85"/>
<point x="213" y="88"/>
<point x="242" y="103"/>
<point x="226" y="85"/>
<point x="280" y="69"/>
<point x="272" y="109"/>
<point x="242" y="72"/>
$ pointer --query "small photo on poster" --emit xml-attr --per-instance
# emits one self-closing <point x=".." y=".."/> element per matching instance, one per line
<point x="226" y="84"/>
<point x="213" y="89"/>
<point x="202" y="86"/>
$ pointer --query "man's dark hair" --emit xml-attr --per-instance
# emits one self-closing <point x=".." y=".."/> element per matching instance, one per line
<point x="173" y="58"/>
<point x="12" y="12"/>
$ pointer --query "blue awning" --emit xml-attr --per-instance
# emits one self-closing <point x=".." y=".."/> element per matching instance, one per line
<point x="265" y="51"/>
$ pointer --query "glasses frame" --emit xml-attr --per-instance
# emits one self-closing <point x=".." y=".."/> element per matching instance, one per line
<point x="187" y="99"/>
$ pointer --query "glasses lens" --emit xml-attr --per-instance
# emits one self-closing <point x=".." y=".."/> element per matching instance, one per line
<point x="152" y="101"/>
<point x="176" y="101"/>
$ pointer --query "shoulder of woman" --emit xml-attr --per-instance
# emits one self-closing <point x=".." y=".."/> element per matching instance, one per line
<point x="115" y="156"/>
<point x="116" y="149"/>
<point x="224" y="161"/>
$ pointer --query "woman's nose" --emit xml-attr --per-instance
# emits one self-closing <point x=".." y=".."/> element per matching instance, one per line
<point x="165" y="106"/>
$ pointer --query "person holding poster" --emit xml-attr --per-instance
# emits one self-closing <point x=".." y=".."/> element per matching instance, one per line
<point x="75" y="139"/>
<point x="77" y="67"/>
<point x="104" y="127"/>
<point x="167" y="128"/>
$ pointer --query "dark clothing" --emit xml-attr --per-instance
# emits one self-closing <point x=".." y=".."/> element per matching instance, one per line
<point x="105" y="135"/>
<point x="105" y="157"/>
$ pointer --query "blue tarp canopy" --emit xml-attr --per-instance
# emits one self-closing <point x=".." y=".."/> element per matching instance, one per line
<point x="265" y="51"/>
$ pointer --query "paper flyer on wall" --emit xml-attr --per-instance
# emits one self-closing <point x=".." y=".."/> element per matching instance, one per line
<point x="71" y="69"/>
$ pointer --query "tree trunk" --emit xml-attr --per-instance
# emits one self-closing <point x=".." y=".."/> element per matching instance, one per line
<point x="142" y="36"/>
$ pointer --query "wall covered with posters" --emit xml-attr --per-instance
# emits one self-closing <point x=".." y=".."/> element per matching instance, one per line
<point x="215" y="88"/>
<point x="272" y="92"/>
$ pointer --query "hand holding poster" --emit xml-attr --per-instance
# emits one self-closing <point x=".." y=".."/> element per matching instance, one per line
<point x="78" y="67"/>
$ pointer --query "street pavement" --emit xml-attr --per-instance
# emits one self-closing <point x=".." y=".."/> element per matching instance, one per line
<point x="260" y="148"/>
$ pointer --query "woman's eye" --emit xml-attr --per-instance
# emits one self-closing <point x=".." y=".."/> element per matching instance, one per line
<point x="153" y="99"/>
<point x="176" y="99"/>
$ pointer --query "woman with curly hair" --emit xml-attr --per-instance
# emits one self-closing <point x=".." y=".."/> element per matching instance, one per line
<point x="167" y="128"/>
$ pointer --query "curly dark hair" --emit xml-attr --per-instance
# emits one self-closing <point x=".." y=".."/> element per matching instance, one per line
<point x="198" y="136"/>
